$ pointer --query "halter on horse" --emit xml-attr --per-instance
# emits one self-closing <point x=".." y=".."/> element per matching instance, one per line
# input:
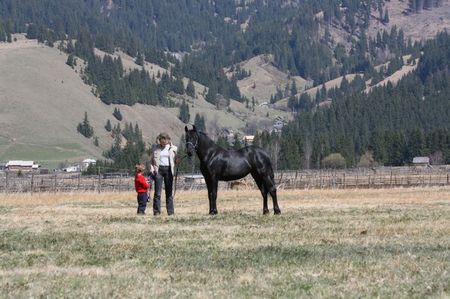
<point x="218" y="164"/>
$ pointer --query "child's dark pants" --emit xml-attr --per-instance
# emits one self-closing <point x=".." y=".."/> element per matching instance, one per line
<point x="142" y="199"/>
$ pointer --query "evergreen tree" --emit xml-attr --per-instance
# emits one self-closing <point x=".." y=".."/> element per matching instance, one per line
<point x="84" y="128"/>
<point x="184" y="114"/>
<point x="117" y="114"/>
<point x="199" y="122"/>
<point x="71" y="60"/>
<point x="190" y="89"/>
<point x="108" y="126"/>
<point x="237" y="144"/>
<point x="211" y="96"/>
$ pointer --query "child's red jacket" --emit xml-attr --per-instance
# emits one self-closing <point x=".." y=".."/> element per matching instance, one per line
<point x="140" y="183"/>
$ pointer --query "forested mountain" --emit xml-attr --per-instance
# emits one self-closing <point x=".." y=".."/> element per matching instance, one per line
<point x="319" y="40"/>
<point x="215" y="33"/>
<point x="389" y="126"/>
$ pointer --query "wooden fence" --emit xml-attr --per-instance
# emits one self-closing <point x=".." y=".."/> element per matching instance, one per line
<point x="382" y="177"/>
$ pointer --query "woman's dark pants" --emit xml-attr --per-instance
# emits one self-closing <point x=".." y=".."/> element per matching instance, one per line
<point x="164" y="175"/>
<point x="142" y="199"/>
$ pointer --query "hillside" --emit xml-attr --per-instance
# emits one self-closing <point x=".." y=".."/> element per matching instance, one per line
<point x="42" y="100"/>
<point x="265" y="79"/>
<point x="417" y="26"/>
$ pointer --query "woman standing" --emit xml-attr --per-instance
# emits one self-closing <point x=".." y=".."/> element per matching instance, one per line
<point x="163" y="161"/>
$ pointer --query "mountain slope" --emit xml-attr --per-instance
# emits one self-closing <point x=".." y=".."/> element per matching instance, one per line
<point x="42" y="100"/>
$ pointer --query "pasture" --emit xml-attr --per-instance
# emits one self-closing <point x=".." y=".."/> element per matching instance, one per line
<point x="326" y="243"/>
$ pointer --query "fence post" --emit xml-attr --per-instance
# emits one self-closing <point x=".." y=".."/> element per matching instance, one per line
<point x="31" y="182"/>
<point x="448" y="181"/>
<point x="390" y="180"/>
<point x="99" y="182"/>
<point x="344" y="181"/>
<point x="6" y="182"/>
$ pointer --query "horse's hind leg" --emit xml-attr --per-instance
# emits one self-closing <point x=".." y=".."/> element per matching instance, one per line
<point x="276" y="208"/>
<point x="263" y="190"/>
<point x="269" y="185"/>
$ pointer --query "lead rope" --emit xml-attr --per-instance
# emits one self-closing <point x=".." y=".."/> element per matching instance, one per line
<point x="176" y="175"/>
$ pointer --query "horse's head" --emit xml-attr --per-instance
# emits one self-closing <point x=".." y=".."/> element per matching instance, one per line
<point x="191" y="140"/>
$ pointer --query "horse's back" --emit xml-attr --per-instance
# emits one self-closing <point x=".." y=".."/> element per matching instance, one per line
<point x="259" y="159"/>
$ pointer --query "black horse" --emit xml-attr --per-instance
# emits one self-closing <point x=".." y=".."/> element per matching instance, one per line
<point x="217" y="164"/>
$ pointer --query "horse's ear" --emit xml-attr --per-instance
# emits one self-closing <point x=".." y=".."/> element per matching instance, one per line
<point x="185" y="129"/>
<point x="194" y="128"/>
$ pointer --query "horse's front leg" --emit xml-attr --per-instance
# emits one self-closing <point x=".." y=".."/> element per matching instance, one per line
<point x="212" y="185"/>
<point x="213" y="197"/>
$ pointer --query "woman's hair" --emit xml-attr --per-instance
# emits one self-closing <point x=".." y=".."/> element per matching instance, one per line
<point x="139" y="168"/>
<point x="163" y="136"/>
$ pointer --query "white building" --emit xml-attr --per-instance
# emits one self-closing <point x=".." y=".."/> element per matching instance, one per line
<point x="86" y="162"/>
<point x="16" y="165"/>
<point x="74" y="168"/>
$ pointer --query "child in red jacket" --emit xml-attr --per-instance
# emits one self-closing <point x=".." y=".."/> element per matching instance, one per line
<point x="142" y="186"/>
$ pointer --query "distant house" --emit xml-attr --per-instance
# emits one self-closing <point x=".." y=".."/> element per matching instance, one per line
<point x="421" y="161"/>
<point x="74" y="168"/>
<point x="2" y="166"/>
<point x="86" y="162"/>
<point x="19" y="165"/>
<point x="248" y="139"/>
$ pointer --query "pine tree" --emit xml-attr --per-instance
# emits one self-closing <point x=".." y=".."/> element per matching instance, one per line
<point x="139" y="59"/>
<point x="184" y="114"/>
<point x="190" y="89"/>
<point x="386" y="17"/>
<point x="237" y="144"/>
<point x="199" y="122"/>
<point x="211" y="96"/>
<point x="108" y="126"/>
<point x="71" y="60"/>
<point x="117" y="114"/>
<point x="293" y="88"/>
<point x="85" y="128"/>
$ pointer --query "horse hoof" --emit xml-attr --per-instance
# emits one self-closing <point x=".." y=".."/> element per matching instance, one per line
<point x="277" y="212"/>
<point x="265" y="212"/>
<point x="213" y="212"/>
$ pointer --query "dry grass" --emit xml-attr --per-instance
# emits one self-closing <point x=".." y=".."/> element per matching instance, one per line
<point x="327" y="243"/>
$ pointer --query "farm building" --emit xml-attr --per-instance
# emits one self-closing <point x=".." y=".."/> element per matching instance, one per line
<point x="86" y="162"/>
<point x="74" y="168"/>
<point x="421" y="161"/>
<point x="248" y="139"/>
<point x="19" y="165"/>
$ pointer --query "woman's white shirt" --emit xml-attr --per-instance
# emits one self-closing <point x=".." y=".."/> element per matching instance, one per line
<point x="164" y="156"/>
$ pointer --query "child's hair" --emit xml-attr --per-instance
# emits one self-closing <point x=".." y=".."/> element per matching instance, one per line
<point x="139" y="168"/>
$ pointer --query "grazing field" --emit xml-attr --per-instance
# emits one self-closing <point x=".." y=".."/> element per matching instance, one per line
<point x="327" y="243"/>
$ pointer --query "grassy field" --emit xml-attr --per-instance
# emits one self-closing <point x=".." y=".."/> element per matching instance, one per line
<point x="346" y="243"/>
